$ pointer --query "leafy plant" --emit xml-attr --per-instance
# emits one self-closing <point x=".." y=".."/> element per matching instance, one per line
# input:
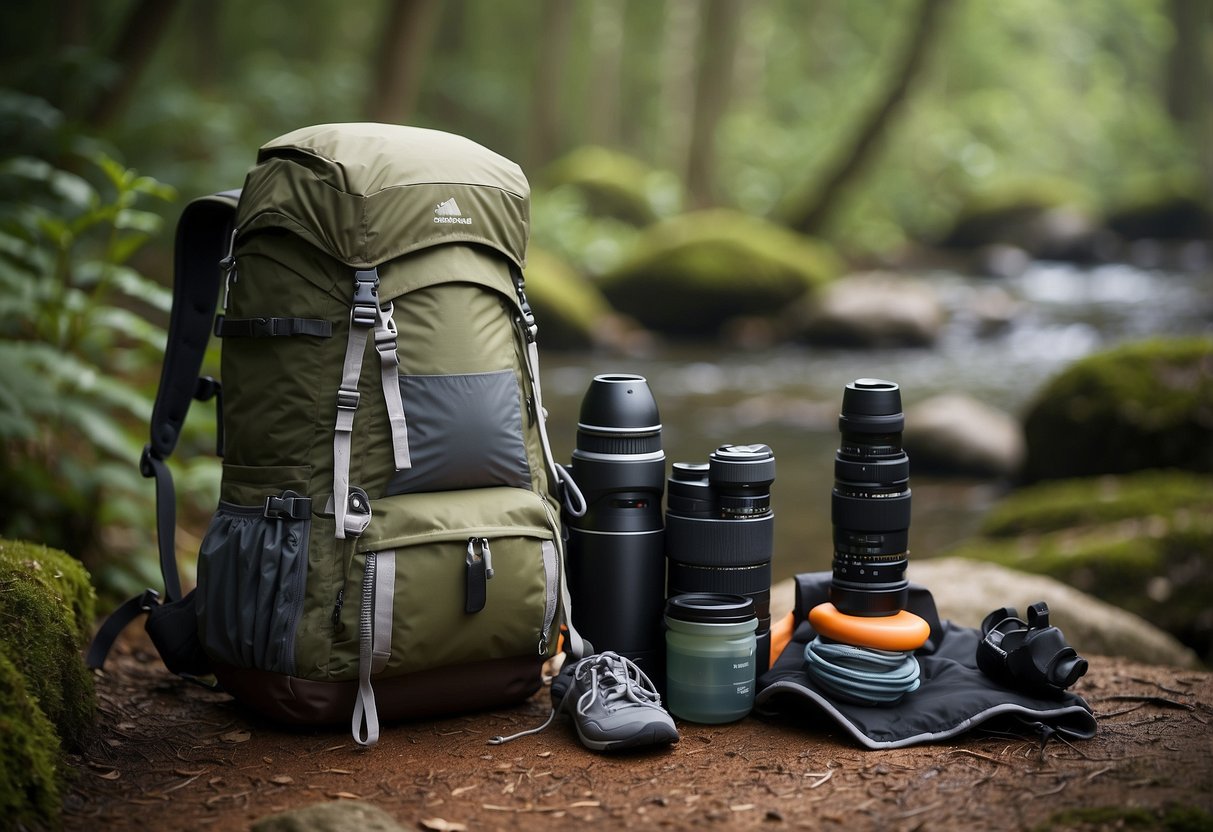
<point x="80" y="344"/>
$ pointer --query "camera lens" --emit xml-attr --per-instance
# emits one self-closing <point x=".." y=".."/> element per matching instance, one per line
<point x="720" y="529"/>
<point x="870" y="506"/>
<point x="616" y="569"/>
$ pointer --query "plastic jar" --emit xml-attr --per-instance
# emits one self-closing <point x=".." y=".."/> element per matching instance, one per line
<point x="710" y="656"/>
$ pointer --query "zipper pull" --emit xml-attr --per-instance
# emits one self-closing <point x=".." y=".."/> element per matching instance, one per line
<point x="337" y="611"/>
<point x="478" y="574"/>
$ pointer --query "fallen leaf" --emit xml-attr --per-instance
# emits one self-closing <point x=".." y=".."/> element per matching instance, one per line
<point x="461" y="790"/>
<point x="346" y="795"/>
<point x="544" y="754"/>
<point x="236" y="736"/>
<point x="741" y="807"/>
<point x="443" y="825"/>
<point x="282" y="779"/>
<point x="112" y="774"/>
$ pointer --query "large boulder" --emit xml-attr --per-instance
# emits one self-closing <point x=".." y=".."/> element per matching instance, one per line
<point x="570" y="310"/>
<point x="872" y="310"/>
<point x="1142" y="542"/>
<point x="692" y="274"/>
<point x="1046" y="218"/>
<point x="965" y="591"/>
<point x="955" y="434"/>
<point x="614" y="184"/>
<point x="1143" y="405"/>
<point x="46" y="694"/>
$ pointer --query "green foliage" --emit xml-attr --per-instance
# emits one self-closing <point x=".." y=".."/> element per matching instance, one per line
<point x="692" y="273"/>
<point x="80" y="338"/>
<point x="1169" y="819"/>
<point x="1142" y="405"/>
<point x="47" y="602"/>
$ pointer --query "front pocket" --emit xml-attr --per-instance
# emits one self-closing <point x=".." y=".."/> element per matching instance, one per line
<point x="445" y="609"/>
<point x="252" y="569"/>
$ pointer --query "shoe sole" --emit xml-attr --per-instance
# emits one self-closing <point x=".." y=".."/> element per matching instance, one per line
<point x="649" y="735"/>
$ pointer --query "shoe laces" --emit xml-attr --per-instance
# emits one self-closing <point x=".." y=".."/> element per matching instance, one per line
<point x="616" y="678"/>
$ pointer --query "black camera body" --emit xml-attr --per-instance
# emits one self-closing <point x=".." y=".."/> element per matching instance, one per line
<point x="720" y="530"/>
<point x="1031" y="655"/>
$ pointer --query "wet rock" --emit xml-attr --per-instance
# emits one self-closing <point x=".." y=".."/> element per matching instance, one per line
<point x="337" y="816"/>
<point x="1142" y="405"/>
<point x="966" y="590"/>
<point x="1043" y="219"/>
<point x="1142" y="542"/>
<point x="958" y="435"/>
<point x="872" y="310"/>
<point x="692" y="274"/>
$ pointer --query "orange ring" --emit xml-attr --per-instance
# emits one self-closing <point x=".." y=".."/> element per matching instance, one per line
<point x="901" y="632"/>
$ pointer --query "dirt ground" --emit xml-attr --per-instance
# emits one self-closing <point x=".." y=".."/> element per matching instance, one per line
<point x="171" y="755"/>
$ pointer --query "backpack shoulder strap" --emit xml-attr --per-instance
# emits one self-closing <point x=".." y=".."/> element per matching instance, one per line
<point x="202" y="248"/>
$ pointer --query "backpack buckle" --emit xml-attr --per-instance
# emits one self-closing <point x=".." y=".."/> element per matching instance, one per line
<point x="288" y="506"/>
<point x="365" y="309"/>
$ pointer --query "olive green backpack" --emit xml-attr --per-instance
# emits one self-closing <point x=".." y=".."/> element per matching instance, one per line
<point x="387" y="541"/>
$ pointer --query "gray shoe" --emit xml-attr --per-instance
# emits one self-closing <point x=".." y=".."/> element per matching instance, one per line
<point x="613" y="704"/>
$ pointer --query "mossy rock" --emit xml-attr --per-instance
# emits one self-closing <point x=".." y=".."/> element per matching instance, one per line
<point x="48" y="605"/>
<point x="569" y="310"/>
<point x="29" y="754"/>
<point x="691" y="274"/>
<point x="1046" y="217"/>
<point x="614" y="184"/>
<point x="1162" y="208"/>
<point x="1142" y="542"/>
<point x="1143" y="405"/>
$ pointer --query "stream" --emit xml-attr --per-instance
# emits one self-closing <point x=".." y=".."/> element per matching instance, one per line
<point x="788" y="396"/>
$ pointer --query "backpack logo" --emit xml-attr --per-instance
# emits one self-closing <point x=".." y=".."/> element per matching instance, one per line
<point x="448" y="212"/>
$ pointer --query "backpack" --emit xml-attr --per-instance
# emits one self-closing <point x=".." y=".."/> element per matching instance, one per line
<point x="387" y="540"/>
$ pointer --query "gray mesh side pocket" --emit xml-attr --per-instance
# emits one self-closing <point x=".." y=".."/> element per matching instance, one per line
<point x="252" y="569"/>
<point x="465" y="431"/>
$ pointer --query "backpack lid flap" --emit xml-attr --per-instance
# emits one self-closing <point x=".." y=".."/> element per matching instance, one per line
<point x="368" y="193"/>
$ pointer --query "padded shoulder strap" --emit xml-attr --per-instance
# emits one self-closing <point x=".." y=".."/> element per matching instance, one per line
<point x="203" y="236"/>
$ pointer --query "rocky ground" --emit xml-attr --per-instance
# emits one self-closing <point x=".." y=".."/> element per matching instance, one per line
<point x="168" y="754"/>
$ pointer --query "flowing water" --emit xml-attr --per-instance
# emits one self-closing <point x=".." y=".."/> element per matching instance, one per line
<point x="788" y="397"/>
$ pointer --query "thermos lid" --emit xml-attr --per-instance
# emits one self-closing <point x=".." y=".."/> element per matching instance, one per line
<point x="710" y="608"/>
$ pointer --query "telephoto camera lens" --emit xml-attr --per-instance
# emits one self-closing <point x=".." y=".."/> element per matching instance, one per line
<point x="870" y="506"/>
<point x="720" y="530"/>
<point x="616" y="568"/>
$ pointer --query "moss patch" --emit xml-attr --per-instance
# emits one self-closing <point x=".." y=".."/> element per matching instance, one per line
<point x="1143" y="542"/>
<point x="691" y="274"/>
<point x="1005" y="211"/>
<point x="1143" y="405"/>
<point x="29" y="786"/>
<point x="568" y="308"/>
<point x="614" y="184"/>
<point x="46" y="610"/>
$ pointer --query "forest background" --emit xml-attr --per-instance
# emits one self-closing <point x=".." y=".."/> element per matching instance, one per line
<point x="871" y="126"/>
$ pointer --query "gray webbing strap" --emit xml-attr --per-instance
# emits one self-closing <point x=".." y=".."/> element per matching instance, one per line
<point x="389" y="370"/>
<point x="374" y="640"/>
<point x="364" y="315"/>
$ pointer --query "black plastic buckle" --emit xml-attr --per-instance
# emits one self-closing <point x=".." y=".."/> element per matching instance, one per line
<point x="288" y="506"/>
<point x="146" y="468"/>
<point x="528" y="316"/>
<point x="366" y="297"/>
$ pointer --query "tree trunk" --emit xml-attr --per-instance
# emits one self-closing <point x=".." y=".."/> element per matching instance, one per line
<point x="679" y="36"/>
<point x="1187" y="70"/>
<point x="555" y="38"/>
<point x="145" y="27"/>
<point x="811" y="215"/>
<point x="713" y="88"/>
<point x="606" y="47"/>
<point x="400" y="62"/>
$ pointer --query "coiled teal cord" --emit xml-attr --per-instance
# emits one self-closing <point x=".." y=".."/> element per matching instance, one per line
<point x="861" y="675"/>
